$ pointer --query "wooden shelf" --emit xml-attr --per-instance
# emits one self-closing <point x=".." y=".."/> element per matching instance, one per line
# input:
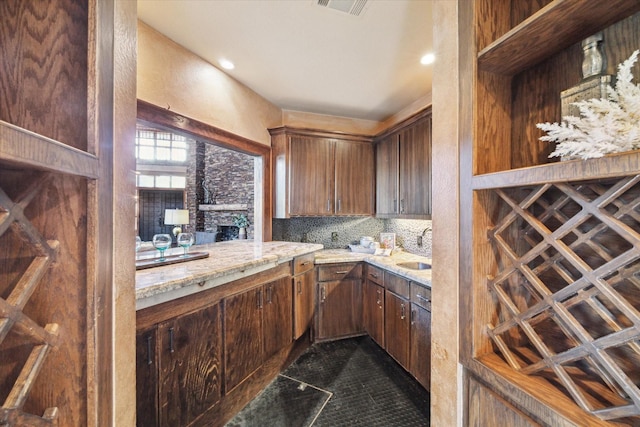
<point x="552" y="29"/>
<point x="28" y="149"/>
<point x="605" y="167"/>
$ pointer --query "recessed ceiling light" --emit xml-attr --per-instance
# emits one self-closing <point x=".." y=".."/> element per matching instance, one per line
<point x="226" y="64"/>
<point x="429" y="58"/>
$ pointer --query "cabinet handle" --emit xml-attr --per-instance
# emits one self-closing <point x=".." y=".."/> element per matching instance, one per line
<point x="149" y="359"/>
<point x="171" y="350"/>
<point x="401" y="205"/>
<point x="425" y="299"/>
<point x="395" y="205"/>
<point x="299" y="287"/>
<point x="323" y="293"/>
<point x="269" y="294"/>
<point x="378" y="301"/>
<point x="328" y="205"/>
<point x="374" y="275"/>
<point x="305" y="263"/>
<point x="339" y="205"/>
<point x="402" y="312"/>
<point x="413" y="317"/>
<point x="341" y="272"/>
<point x="259" y="299"/>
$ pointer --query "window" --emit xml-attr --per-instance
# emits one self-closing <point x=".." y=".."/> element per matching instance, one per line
<point x="161" y="181"/>
<point x="155" y="146"/>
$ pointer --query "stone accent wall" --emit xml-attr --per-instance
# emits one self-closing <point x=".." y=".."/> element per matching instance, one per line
<point x="219" y="176"/>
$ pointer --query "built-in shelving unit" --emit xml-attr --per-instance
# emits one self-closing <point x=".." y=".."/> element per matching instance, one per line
<point x="28" y="149"/>
<point x="553" y="28"/>
<point x="551" y="317"/>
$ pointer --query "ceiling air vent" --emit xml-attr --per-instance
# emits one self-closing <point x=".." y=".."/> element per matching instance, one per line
<point x="352" y="7"/>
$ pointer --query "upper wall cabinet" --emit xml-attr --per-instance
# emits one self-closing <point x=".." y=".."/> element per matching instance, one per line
<point x="403" y="169"/>
<point x="321" y="173"/>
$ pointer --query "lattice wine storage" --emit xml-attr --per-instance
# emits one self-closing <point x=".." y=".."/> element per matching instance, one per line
<point x="567" y="290"/>
<point x="24" y="344"/>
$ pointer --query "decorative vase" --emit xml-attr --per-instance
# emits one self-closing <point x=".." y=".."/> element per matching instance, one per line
<point x="242" y="233"/>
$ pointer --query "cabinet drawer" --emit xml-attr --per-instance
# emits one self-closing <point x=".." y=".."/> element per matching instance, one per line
<point x="396" y="284"/>
<point x="421" y="295"/>
<point x="374" y="274"/>
<point x="303" y="263"/>
<point x="352" y="270"/>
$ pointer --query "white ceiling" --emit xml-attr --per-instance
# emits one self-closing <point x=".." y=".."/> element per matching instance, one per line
<point x="305" y="57"/>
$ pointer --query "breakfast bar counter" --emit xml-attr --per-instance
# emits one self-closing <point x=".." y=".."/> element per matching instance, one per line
<point x="227" y="261"/>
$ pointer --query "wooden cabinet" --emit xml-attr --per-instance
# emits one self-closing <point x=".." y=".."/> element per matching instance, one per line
<point x="396" y="327"/>
<point x="528" y="52"/>
<point x="339" y="300"/>
<point x="178" y="368"/>
<point x="190" y="355"/>
<point x="403" y="169"/>
<point x="304" y="285"/>
<point x="321" y="173"/>
<point x="147" y="378"/>
<point x="373" y="304"/>
<point x="257" y="323"/>
<point x="278" y="320"/>
<point x="420" y="345"/>
<point x="488" y="409"/>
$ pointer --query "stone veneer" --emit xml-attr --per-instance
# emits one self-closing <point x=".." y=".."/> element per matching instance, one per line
<point x="350" y="229"/>
<point x="218" y="175"/>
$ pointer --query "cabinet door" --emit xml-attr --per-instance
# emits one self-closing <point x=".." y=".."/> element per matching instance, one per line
<point x="373" y="311"/>
<point x="396" y="328"/>
<point x="303" y="302"/>
<point x="311" y="176"/>
<point x="354" y="178"/>
<point x="415" y="169"/>
<point x="190" y="365"/>
<point x="387" y="176"/>
<point x="420" y="359"/>
<point x="146" y="378"/>
<point x="277" y="323"/>
<point x="242" y="335"/>
<point x="339" y="308"/>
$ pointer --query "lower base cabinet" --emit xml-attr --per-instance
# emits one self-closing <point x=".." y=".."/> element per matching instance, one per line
<point x="257" y="323"/>
<point x="179" y="368"/>
<point x="373" y="311"/>
<point x="397" y="328"/>
<point x="420" y="357"/>
<point x="339" y="301"/>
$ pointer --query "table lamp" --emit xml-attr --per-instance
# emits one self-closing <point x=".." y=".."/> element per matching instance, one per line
<point x="176" y="217"/>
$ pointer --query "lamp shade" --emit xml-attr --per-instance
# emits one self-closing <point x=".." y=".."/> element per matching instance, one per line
<point x="176" y="216"/>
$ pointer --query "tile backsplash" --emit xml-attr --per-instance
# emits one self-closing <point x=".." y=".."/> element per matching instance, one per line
<point x="348" y="230"/>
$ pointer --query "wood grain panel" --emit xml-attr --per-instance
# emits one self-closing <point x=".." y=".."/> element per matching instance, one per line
<point x="147" y="378"/>
<point x="339" y="308"/>
<point x="190" y="349"/>
<point x="396" y="284"/>
<point x="277" y="321"/>
<point x="354" y="178"/>
<point x="43" y="81"/>
<point x="415" y="168"/>
<point x="488" y="409"/>
<point x="420" y="347"/>
<point x="311" y="171"/>
<point x="242" y="335"/>
<point x="304" y="286"/>
<point x="387" y="170"/>
<point x="373" y="311"/>
<point x="396" y="327"/>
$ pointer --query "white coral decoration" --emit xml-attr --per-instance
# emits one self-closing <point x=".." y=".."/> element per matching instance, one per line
<point x="605" y="126"/>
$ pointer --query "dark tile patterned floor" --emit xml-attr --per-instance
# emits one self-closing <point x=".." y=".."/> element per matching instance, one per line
<point x="349" y="382"/>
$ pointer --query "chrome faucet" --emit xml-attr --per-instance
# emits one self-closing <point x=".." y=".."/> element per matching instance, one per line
<point x="428" y="228"/>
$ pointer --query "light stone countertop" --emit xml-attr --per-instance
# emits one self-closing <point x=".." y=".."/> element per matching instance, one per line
<point x="227" y="261"/>
<point x="390" y="263"/>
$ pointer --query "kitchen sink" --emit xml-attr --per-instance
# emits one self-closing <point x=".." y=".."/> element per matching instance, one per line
<point x="415" y="265"/>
